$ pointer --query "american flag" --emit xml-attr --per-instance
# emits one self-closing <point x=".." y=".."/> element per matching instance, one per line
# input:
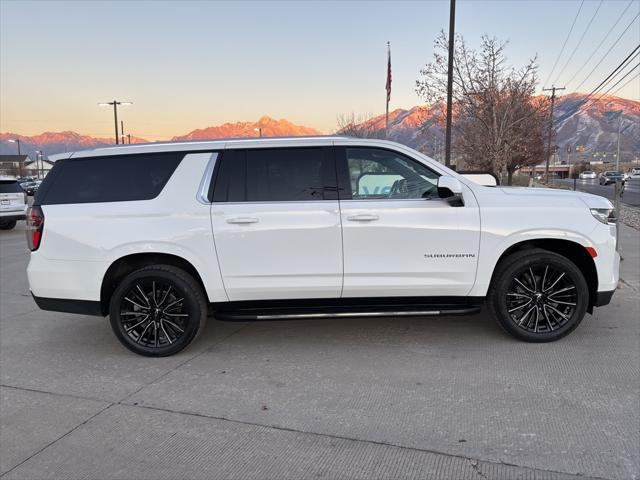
<point x="388" y="86"/>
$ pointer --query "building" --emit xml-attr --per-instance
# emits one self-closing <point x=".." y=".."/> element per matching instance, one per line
<point x="13" y="165"/>
<point x="38" y="168"/>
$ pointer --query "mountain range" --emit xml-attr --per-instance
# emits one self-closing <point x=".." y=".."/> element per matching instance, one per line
<point x="594" y="128"/>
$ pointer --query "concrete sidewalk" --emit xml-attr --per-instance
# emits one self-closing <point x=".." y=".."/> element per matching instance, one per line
<point x="442" y="398"/>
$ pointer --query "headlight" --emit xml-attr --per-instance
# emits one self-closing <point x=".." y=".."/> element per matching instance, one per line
<point x="604" y="215"/>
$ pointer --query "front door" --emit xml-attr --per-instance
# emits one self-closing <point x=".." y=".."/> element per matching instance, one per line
<point x="276" y="224"/>
<point x="399" y="237"/>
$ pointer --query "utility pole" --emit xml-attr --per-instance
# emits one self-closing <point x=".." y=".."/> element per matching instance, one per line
<point x="553" y="90"/>
<point x="17" y="142"/>
<point x="122" y="131"/>
<point x="452" y="27"/>
<point x="115" y="104"/>
<point x="618" y="153"/>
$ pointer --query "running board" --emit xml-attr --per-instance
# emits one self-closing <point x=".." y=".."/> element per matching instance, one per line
<point x="266" y="314"/>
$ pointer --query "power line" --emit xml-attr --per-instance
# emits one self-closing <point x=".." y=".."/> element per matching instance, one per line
<point x="579" y="42"/>
<point x="601" y="42"/>
<point x="618" y="82"/>
<point x="627" y="83"/>
<point x="607" y="52"/>
<point x="613" y="73"/>
<point x="555" y="64"/>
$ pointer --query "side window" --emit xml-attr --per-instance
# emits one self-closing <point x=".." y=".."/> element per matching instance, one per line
<point x="383" y="174"/>
<point x="117" y="178"/>
<point x="287" y="174"/>
<point x="276" y="175"/>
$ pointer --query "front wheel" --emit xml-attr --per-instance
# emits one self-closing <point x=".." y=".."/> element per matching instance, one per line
<point x="158" y="310"/>
<point x="538" y="296"/>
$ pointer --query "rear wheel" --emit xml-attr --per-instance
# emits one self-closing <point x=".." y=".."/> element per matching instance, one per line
<point x="538" y="296"/>
<point x="158" y="310"/>
<point x="8" y="225"/>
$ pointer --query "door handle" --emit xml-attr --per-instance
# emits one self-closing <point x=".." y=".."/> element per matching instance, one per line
<point x="242" y="220"/>
<point x="363" y="217"/>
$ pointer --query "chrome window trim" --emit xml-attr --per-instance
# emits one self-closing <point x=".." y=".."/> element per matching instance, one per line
<point x="279" y="202"/>
<point x="205" y="183"/>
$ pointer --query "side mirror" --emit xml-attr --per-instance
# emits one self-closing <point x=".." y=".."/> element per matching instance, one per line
<point x="449" y="187"/>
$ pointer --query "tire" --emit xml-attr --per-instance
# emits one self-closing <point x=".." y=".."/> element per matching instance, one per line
<point x="554" y="299"/>
<point x="8" y="225"/>
<point x="160" y="326"/>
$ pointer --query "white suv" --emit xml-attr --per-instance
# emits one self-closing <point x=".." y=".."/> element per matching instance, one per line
<point x="13" y="203"/>
<point x="159" y="236"/>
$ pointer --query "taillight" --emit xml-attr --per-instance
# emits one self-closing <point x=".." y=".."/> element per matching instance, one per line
<point x="35" y="225"/>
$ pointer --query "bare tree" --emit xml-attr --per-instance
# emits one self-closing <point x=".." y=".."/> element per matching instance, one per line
<point x="498" y="123"/>
<point x="360" y="126"/>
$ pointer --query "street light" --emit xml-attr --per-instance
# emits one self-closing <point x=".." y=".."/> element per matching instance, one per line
<point x="40" y="167"/>
<point x="115" y="104"/>
<point x="17" y="141"/>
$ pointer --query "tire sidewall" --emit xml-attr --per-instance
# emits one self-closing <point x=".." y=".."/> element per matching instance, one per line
<point x="8" y="225"/>
<point x="505" y="279"/>
<point x="181" y="286"/>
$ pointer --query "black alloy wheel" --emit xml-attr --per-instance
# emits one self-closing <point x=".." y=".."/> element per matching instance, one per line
<point x="157" y="310"/>
<point x="538" y="296"/>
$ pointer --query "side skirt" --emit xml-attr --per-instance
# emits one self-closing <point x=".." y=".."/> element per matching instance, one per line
<point x="345" y="308"/>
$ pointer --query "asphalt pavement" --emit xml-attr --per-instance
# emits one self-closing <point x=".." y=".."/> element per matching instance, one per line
<point x="631" y="195"/>
<point x="380" y="398"/>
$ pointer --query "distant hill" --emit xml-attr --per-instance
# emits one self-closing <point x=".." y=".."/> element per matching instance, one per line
<point x="56" y="142"/>
<point x="594" y="128"/>
<point x="267" y="125"/>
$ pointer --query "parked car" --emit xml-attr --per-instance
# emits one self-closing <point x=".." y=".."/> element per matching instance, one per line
<point x="30" y="188"/>
<point x="611" y="176"/>
<point x="588" y="175"/>
<point x="13" y="203"/>
<point x="160" y="236"/>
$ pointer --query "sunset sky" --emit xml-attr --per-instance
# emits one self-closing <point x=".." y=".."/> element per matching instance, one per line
<point x="192" y="64"/>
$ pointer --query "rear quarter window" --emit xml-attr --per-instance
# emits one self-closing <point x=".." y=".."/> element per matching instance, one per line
<point x="117" y="178"/>
<point x="10" y="186"/>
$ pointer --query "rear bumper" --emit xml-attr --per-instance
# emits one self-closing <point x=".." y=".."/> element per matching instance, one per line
<point x="11" y="217"/>
<point x="603" y="298"/>
<point x="83" y="307"/>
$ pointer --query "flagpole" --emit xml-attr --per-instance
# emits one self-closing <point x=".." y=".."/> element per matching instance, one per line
<point x="386" y="122"/>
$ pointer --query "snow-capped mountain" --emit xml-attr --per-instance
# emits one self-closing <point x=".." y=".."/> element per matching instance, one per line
<point x="595" y="128"/>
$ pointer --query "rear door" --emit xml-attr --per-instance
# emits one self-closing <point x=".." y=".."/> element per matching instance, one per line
<point x="276" y="223"/>
<point x="400" y="238"/>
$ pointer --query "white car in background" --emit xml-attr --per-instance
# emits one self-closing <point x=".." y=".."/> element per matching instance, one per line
<point x="160" y="236"/>
<point x="588" y="175"/>
<point x="13" y="203"/>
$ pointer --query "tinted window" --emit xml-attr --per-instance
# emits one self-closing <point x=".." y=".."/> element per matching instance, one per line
<point x="115" y="178"/>
<point x="10" y="186"/>
<point x="285" y="175"/>
<point x="275" y="175"/>
<point x="380" y="174"/>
